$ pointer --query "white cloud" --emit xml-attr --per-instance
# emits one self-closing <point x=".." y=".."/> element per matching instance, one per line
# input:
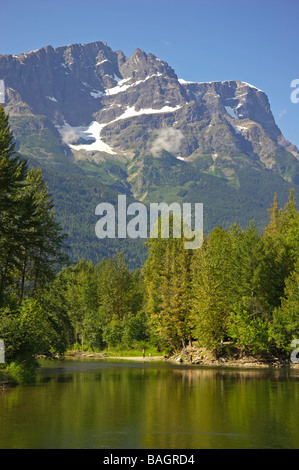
<point x="69" y="134"/>
<point x="282" y="113"/>
<point x="168" y="139"/>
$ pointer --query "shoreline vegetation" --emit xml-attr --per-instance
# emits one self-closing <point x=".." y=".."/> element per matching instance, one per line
<point x="236" y="297"/>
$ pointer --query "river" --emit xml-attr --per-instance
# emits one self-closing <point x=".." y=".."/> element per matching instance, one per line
<point x="114" y="404"/>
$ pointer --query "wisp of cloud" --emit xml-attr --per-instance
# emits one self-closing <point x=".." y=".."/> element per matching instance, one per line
<point x="168" y="139"/>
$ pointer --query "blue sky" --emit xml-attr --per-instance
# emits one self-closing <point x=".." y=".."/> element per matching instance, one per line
<point x="203" y="40"/>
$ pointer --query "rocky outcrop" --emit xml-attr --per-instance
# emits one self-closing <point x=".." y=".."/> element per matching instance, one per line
<point x="229" y="357"/>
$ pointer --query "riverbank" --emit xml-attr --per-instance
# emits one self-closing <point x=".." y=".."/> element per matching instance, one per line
<point x="200" y="357"/>
<point x="229" y="358"/>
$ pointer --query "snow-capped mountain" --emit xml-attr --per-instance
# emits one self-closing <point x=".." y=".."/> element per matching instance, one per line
<point x="94" y="95"/>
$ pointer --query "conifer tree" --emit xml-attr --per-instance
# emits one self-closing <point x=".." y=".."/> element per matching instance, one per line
<point x="31" y="242"/>
<point x="13" y="171"/>
<point x="285" y="326"/>
<point x="167" y="281"/>
<point x="281" y="241"/>
<point x="211" y="289"/>
<point x="40" y="239"/>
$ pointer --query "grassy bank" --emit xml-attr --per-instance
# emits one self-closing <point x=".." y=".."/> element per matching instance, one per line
<point x="116" y="352"/>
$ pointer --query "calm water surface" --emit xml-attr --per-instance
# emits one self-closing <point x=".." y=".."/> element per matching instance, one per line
<point x="115" y="404"/>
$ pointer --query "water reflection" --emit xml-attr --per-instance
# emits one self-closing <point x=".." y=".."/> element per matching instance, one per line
<point x="104" y="404"/>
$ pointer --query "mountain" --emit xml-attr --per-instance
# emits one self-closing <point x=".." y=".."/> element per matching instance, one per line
<point x="102" y="124"/>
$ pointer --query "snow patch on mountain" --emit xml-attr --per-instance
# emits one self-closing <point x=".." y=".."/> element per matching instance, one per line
<point x="184" y="82"/>
<point x="231" y="111"/>
<point x="238" y="129"/>
<point x="97" y="93"/>
<point x="52" y="98"/>
<point x="131" y="112"/>
<point x="123" y="86"/>
<point x="91" y="132"/>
